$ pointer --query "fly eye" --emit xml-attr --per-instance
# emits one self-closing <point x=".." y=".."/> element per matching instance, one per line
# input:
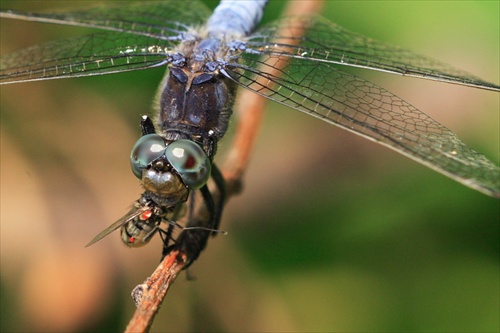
<point x="190" y="161"/>
<point x="147" y="149"/>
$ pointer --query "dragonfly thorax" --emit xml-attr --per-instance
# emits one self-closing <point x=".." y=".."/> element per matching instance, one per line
<point x="198" y="103"/>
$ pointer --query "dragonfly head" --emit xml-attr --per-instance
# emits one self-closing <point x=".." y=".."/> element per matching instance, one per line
<point x="168" y="170"/>
<point x="163" y="184"/>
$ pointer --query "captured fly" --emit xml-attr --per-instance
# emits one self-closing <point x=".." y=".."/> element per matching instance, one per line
<point x="143" y="221"/>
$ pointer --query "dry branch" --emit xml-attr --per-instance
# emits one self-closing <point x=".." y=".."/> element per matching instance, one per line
<point x="149" y="295"/>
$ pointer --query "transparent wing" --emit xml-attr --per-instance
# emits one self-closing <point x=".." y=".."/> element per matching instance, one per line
<point x="132" y="214"/>
<point x="155" y="19"/>
<point x="327" y="42"/>
<point x="339" y="98"/>
<point x="142" y="36"/>
<point x="83" y="56"/>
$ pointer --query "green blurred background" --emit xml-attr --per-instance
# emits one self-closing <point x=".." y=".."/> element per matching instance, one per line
<point x="332" y="232"/>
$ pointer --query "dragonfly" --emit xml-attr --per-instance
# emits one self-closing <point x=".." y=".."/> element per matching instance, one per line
<point x="208" y="56"/>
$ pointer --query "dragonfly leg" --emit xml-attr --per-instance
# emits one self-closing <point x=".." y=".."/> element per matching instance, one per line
<point x="147" y="126"/>
<point x="166" y="237"/>
<point x="193" y="241"/>
<point x="219" y="197"/>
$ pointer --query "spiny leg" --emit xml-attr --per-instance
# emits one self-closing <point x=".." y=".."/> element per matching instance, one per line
<point x="193" y="241"/>
<point x="147" y="126"/>
<point x="166" y="236"/>
<point x="219" y="197"/>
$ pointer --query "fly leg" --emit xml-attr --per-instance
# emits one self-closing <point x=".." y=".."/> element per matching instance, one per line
<point x="151" y="233"/>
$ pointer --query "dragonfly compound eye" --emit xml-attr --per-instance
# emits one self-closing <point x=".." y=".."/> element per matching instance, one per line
<point x="147" y="149"/>
<point x="190" y="161"/>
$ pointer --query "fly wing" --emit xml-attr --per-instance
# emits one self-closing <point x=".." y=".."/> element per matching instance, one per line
<point x="132" y="214"/>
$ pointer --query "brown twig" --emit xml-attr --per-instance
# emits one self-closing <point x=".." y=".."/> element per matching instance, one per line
<point x="149" y="295"/>
<point x="253" y="106"/>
